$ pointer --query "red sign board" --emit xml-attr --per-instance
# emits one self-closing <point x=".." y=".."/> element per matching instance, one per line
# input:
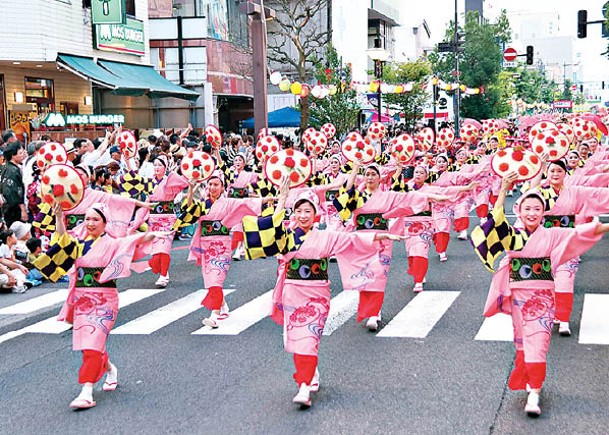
<point x="510" y="54"/>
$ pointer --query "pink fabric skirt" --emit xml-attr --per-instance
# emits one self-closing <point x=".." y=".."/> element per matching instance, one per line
<point x="305" y="310"/>
<point x="161" y="222"/>
<point x="215" y="260"/>
<point x="95" y="311"/>
<point x="532" y="318"/>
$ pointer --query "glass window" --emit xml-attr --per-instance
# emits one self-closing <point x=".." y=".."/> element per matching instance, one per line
<point x="237" y="25"/>
<point x="40" y="91"/>
<point x="188" y="8"/>
<point x="130" y="7"/>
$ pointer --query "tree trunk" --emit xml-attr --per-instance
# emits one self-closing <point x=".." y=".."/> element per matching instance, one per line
<point x="304" y="113"/>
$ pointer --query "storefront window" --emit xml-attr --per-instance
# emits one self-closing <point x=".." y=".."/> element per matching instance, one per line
<point x="188" y="8"/>
<point x="237" y="23"/>
<point x="40" y="92"/>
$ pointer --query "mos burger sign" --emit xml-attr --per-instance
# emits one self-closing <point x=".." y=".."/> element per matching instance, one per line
<point x="59" y="120"/>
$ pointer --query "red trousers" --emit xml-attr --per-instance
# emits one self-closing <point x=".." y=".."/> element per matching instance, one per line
<point x="94" y="365"/>
<point x="482" y="211"/>
<point x="461" y="224"/>
<point x="214" y="298"/>
<point x="160" y="263"/>
<point x="564" y="306"/>
<point x="441" y="240"/>
<point x="526" y="373"/>
<point x="238" y="237"/>
<point x="370" y="304"/>
<point x="417" y="267"/>
<point x="305" y="366"/>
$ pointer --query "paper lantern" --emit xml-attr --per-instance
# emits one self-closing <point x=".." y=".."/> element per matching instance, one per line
<point x="275" y="78"/>
<point x="296" y="88"/>
<point x="304" y="92"/>
<point x="284" y="85"/>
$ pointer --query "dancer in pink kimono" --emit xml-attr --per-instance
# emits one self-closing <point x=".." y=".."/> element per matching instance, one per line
<point x="366" y="207"/>
<point x="301" y="298"/>
<point x="568" y="205"/>
<point x="210" y="247"/>
<point x="164" y="188"/>
<point x="332" y="178"/>
<point x="237" y="179"/>
<point x="120" y="210"/>
<point x="419" y="229"/>
<point x="523" y="286"/>
<point x="98" y="260"/>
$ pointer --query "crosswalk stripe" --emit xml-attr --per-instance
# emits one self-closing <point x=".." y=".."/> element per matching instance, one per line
<point x="594" y="326"/>
<point x="418" y="318"/>
<point x="342" y="308"/>
<point x="242" y="318"/>
<point x="52" y="326"/>
<point x="161" y="317"/>
<point x="496" y="328"/>
<point x="34" y="304"/>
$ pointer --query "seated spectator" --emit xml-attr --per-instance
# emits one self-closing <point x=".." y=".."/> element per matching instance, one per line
<point x="22" y="233"/>
<point x="16" y="273"/>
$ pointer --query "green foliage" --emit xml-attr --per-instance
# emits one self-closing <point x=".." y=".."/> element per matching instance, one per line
<point x="342" y="108"/>
<point x="410" y="103"/>
<point x="532" y="86"/>
<point x="480" y="66"/>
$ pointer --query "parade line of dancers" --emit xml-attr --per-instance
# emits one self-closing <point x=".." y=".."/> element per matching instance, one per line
<point x="322" y="206"/>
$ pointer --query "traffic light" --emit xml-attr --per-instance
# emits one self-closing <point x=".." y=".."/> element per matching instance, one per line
<point x="581" y="88"/>
<point x="603" y="85"/>
<point x="582" y="23"/>
<point x="530" y="54"/>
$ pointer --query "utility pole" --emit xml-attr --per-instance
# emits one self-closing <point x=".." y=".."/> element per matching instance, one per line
<point x="259" y="14"/>
<point x="456" y="101"/>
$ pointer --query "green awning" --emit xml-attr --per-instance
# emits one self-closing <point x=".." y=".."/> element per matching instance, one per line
<point x="158" y="86"/>
<point x="124" y="78"/>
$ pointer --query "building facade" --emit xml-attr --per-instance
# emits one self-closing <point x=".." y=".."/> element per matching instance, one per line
<point x="59" y="61"/>
<point x="204" y="45"/>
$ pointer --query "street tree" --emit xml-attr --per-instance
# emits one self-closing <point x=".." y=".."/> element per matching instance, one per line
<point x="342" y="108"/>
<point x="296" y="38"/>
<point x="411" y="104"/>
<point x="480" y="65"/>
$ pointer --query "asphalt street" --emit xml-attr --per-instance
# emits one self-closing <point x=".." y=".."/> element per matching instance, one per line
<point x="173" y="381"/>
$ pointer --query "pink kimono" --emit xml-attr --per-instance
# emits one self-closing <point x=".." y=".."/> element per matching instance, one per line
<point x="514" y="290"/>
<point x="302" y="306"/>
<point x="92" y="302"/>
<point x="162" y="216"/>
<point x="213" y="253"/>
<point x="120" y="212"/>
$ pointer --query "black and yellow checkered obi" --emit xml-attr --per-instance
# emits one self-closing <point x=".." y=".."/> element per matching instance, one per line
<point x="73" y="220"/>
<point x="308" y="269"/>
<point x="89" y="277"/>
<point x="331" y="195"/>
<point x="213" y="228"/>
<point x="163" y="207"/>
<point x="526" y="269"/>
<point x="561" y="221"/>
<point x="238" y="192"/>
<point x="371" y="221"/>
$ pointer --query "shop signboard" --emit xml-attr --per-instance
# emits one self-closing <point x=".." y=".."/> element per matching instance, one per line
<point x="59" y="120"/>
<point x="19" y="122"/>
<point x="107" y="11"/>
<point x="123" y="38"/>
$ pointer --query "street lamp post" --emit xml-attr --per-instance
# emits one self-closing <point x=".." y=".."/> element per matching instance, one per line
<point x="379" y="55"/>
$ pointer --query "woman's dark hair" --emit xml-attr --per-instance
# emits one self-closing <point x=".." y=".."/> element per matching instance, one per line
<point x="4" y="235"/>
<point x="536" y="196"/>
<point x="302" y="201"/>
<point x="560" y="163"/>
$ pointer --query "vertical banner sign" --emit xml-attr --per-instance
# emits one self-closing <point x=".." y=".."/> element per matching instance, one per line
<point x="108" y="11"/>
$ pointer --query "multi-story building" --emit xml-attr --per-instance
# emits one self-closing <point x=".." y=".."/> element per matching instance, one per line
<point x="353" y="27"/>
<point x="57" y="57"/>
<point x="204" y="45"/>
